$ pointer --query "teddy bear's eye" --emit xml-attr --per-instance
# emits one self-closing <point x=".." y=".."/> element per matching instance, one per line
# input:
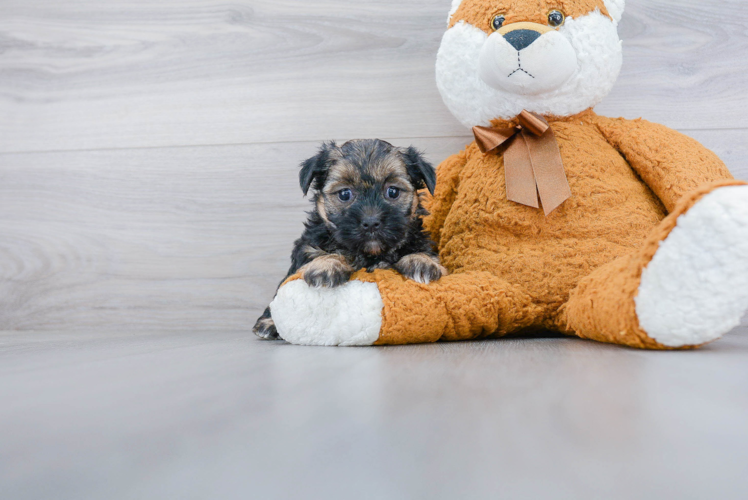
<point x="497" y="22"/>
<point x="556" y="18"/>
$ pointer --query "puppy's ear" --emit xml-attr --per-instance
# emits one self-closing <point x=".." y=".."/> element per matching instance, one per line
<point x="315" y="169"/>
<point x="421" y="172"/>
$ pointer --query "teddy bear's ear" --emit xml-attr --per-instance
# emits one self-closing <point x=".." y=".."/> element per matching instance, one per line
<point x="455" y="6"/>
<point x="615" y="8"/>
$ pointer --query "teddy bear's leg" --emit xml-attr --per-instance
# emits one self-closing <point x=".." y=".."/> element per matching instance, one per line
<point x="385" y="308"/>
<point x="686" y="287"/>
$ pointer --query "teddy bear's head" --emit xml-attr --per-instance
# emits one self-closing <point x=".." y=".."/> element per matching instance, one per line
<point x="553" y="57"/>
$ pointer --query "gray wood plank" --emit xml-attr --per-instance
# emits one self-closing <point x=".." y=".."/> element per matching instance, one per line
<point x="193" y="415"/>
<point x="86" y="74"/>
<point x="172" y="238"/>
<point x="151" y="238"/>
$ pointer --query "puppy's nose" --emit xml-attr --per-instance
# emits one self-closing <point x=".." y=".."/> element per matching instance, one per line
<point x="521" y="39"/>
<point x="372" y="223"/>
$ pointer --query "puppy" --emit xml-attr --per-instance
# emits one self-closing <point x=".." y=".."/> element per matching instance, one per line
<point x="367" y="215"/>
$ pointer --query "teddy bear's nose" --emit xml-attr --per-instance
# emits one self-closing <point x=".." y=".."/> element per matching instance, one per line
<point x="521" y="39"/>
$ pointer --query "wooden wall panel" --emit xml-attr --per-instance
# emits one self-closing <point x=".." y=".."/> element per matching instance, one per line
<point x="154" y="238"/>
<point x="148" y="150"/>
<point x="86" y="74"/>
<point x="172" y="238"/>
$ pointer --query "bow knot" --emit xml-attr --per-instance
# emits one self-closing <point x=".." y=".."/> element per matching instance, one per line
<point x="532" y="162"/>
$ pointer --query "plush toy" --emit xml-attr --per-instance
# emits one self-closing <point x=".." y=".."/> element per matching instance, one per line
<point x="555" y="218"/>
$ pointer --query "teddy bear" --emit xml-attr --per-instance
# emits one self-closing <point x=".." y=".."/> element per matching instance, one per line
<point x="554" y="218"/>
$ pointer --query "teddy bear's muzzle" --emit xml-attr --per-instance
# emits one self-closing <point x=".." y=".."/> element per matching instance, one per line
<point x="527" y="59"/>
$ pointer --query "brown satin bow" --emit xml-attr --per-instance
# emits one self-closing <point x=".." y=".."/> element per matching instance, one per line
<point x="532" y="162"/>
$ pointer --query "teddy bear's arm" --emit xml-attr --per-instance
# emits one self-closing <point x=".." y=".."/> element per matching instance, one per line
<point x="671" y="163"/>
<point x="447" y="183"/>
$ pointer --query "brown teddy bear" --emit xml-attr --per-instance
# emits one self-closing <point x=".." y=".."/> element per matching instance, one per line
<point x="554" y="218"/>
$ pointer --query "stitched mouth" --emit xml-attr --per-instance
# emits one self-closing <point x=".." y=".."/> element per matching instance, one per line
<point x="519" y="67"/>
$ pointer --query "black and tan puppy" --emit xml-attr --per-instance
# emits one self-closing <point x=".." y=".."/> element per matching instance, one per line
<point x="367" y="215"/>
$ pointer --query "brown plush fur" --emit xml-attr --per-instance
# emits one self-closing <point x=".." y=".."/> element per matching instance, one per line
<point x="576" y="271"/>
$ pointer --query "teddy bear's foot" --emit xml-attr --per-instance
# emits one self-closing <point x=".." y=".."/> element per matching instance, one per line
<point x="348" y="315"/>
<point x="695" y="289"/>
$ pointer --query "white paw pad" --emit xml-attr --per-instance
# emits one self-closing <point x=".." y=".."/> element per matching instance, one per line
<point x="696" y="287"/>
<point x="350" y="315"/>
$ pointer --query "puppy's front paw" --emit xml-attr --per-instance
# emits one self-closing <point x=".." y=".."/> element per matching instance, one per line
<point x="328" y="271"/>
<point x="421" y="267"/>
<point x="265" y="328"/>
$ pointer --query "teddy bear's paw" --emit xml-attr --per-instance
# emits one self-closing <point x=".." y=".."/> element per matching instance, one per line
<point x="349" y="315"/>
<point x="696" y="287"/>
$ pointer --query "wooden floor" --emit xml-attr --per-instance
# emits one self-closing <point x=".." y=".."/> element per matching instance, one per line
<point x="195" y="415"/>
<point x="148" y="163"/>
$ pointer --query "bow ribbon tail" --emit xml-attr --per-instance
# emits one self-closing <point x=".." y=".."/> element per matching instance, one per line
<point x="548" y="169"/>
<point x="520" y="178"/>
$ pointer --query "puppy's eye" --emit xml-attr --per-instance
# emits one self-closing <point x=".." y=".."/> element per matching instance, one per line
<point x="497" y="22"/>
<point x="393" y="193"/>
<point x="345" y="195"/>
<point x="556" y="18"/>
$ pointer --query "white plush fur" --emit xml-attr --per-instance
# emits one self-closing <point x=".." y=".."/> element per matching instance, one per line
<point x="542" y="67"/>
<point x="594" y="40"/>
<point x="696" y="288"/>
<point x="350" y="315"/>
<point x="615" y="8"/>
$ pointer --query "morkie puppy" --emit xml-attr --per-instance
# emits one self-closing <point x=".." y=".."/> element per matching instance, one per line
<point x="367" y="215"/>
